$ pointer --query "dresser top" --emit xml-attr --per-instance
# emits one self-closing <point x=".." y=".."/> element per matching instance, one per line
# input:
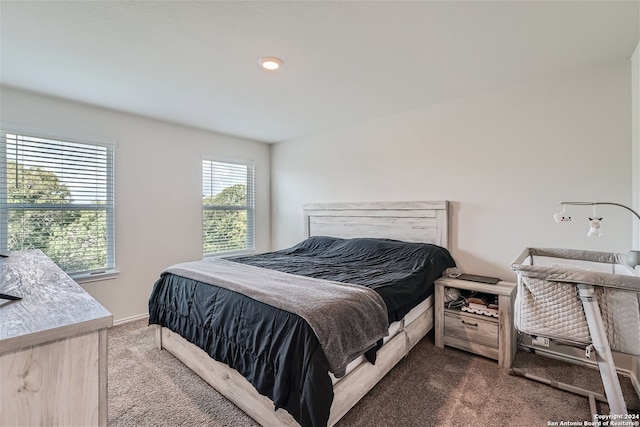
<point x="53" y="306"/>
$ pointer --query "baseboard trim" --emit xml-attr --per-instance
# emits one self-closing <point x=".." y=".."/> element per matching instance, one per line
<point x="130" y="319"/>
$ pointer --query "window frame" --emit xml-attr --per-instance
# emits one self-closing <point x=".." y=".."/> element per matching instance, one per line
<point x="250" y="207"/>
<point x="109" y="271"/>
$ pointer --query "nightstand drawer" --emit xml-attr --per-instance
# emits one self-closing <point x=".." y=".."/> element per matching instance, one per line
<point x="471" y="329"/>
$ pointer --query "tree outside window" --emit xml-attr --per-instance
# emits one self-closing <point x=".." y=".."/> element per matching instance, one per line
<point x="228" y="207"/>
<point x="57" y="196"/>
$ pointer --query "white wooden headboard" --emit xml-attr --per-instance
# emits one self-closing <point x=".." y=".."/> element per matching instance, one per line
<point x="423" y="222"/>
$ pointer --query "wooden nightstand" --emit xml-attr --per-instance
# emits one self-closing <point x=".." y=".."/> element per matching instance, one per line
<point x="484" y="335"/>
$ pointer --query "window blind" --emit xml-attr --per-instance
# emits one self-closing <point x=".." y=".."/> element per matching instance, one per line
<point x="58" y="196"/>
<point x="228" y="204"/>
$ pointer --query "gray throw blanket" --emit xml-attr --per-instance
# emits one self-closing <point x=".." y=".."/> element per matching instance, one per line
<point x="347" y="319"/>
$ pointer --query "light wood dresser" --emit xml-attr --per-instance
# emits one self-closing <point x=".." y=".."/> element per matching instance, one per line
<point x="53" y="347"/>
<point x="487" y="336"/>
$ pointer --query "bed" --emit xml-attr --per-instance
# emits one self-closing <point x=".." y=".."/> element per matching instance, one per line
<point x="276" y="351"/>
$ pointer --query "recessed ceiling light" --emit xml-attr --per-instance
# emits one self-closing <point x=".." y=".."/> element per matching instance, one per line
<point x="270" y="63"/>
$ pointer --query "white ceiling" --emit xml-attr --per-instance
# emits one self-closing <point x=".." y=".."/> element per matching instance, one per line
<point x="196" y="63"/>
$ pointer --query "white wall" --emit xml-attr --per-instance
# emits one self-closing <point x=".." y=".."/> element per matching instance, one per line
<point x="158" y="188"/>
<point x="635" y="126"/>
<point x="504" y="159"/>
<point x="635" y="138"/>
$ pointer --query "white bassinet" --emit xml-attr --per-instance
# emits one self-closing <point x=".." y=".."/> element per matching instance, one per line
<point x="581" y="298"/>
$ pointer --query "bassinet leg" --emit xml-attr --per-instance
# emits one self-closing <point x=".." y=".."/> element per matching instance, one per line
<point x="604" y="358"/>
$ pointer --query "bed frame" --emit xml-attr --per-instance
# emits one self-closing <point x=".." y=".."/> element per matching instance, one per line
<point x="425" y="222"/>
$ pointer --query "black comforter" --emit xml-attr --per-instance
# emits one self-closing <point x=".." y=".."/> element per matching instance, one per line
<point x="402" y="273"/>
<point x="276" y="351"/>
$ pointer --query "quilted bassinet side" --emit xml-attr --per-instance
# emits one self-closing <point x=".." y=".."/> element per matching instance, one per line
<point x="547" y="302"/>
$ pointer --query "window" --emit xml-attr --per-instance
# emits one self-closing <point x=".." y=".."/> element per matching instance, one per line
<point x="57" y="196"/>
<point x="228" y="207"/>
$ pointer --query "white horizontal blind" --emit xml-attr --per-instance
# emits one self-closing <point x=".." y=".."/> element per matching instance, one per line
<point x="58" y="196"/>
<point x="228" y="207"/>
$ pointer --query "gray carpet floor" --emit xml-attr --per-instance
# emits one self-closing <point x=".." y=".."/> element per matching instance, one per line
<point x="430" y="387"/>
